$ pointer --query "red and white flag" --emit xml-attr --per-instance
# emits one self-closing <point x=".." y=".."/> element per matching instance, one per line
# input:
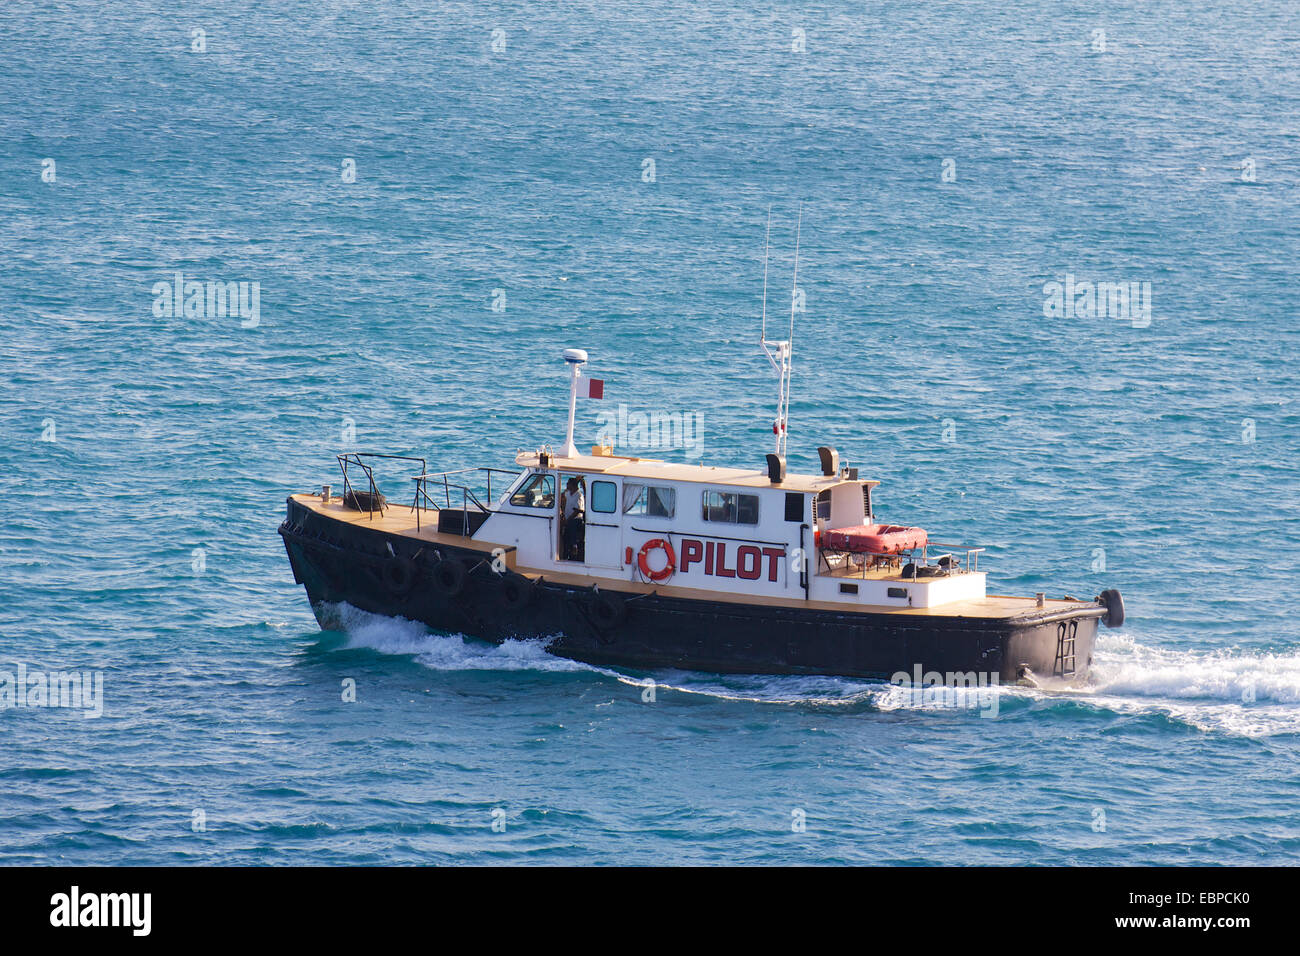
<point x="591" y="388"/>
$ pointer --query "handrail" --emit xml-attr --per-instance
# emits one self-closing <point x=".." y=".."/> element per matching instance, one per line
<point x="467" y="495"/>
<point x="423" y="499"/>
<point x="355" y="458"/>
<point x="972" y="554"/>
<point x="460" y="471"/>
<point x="971" y="560"/>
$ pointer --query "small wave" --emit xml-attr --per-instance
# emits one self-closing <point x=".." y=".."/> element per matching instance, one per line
<point x="766" y="689"/>
<point x="1122" y="666"/>
<point x="1251" y="695"/>
<point x="447" y="652"/>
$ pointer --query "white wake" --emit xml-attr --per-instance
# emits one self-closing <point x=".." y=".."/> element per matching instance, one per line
<point x="1242" y="693"/>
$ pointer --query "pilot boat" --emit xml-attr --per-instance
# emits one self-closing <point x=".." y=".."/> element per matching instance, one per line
<point x="646" y="564"/>
<point x="678" y="566"/>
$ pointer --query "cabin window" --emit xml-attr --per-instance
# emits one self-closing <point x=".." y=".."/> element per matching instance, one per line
<point x="537" y="492"/>
<point x="824" y="506"/>
<point x="793" y="506"/>
<point x="604" y="497"/>
<point x="653" y="501"/>
<point x="731" y="508"/>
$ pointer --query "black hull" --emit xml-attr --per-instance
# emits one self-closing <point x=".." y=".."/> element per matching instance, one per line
<point x="343" y="563"/>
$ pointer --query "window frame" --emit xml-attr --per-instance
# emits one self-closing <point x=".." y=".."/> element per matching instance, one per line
<point x="613" y="509"/>
<point x="527" y="484"/>
<point x="735" y="507"/>
<point x="646" y="489"/>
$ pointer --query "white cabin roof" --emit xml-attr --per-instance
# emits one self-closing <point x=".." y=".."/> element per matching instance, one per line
<point x="651" y="469"/>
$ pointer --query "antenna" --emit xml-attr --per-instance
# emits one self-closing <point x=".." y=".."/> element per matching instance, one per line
<point x="778" y="353"/>
<point x="794" y="291"/>
<point x="767" y="244"/>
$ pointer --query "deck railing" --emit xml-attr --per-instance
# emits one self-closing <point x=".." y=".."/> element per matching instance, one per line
<point x="972" y="555"/>
<point x="969" y="562"/>
<point x="467" y="498"/>
<point x="357" y="459"/>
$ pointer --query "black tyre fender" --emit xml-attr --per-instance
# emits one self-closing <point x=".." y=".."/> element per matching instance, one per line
<point x="607" y="610"/>
<point x="364" y="501"/>
<point x="1113" y="601"/>
<point x="399" y="575"/>
<point x="449" y="577"/>
<point x="517" y="592"/>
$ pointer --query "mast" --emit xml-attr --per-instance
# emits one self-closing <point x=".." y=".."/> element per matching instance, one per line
<point x="576" y="358"/>
<point x="779" y="353"/>
<point x="767" y="244"/>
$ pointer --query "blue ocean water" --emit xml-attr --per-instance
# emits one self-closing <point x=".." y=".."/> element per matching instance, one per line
<point x="528" y="177"/>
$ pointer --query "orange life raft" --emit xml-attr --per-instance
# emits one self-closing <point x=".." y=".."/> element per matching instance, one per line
<point x="874" y="539"/>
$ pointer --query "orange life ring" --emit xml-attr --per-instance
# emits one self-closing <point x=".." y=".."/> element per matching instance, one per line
<point x="666" y="571"/>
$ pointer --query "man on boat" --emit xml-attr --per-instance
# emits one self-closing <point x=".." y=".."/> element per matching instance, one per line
<point x="571" y="520"/>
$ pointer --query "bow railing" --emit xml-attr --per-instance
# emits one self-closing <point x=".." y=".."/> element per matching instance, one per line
<point x="455" y="493"/>
<point x="352" y="461"/>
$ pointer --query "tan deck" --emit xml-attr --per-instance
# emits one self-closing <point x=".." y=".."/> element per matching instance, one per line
<point x="400" y="520"/>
